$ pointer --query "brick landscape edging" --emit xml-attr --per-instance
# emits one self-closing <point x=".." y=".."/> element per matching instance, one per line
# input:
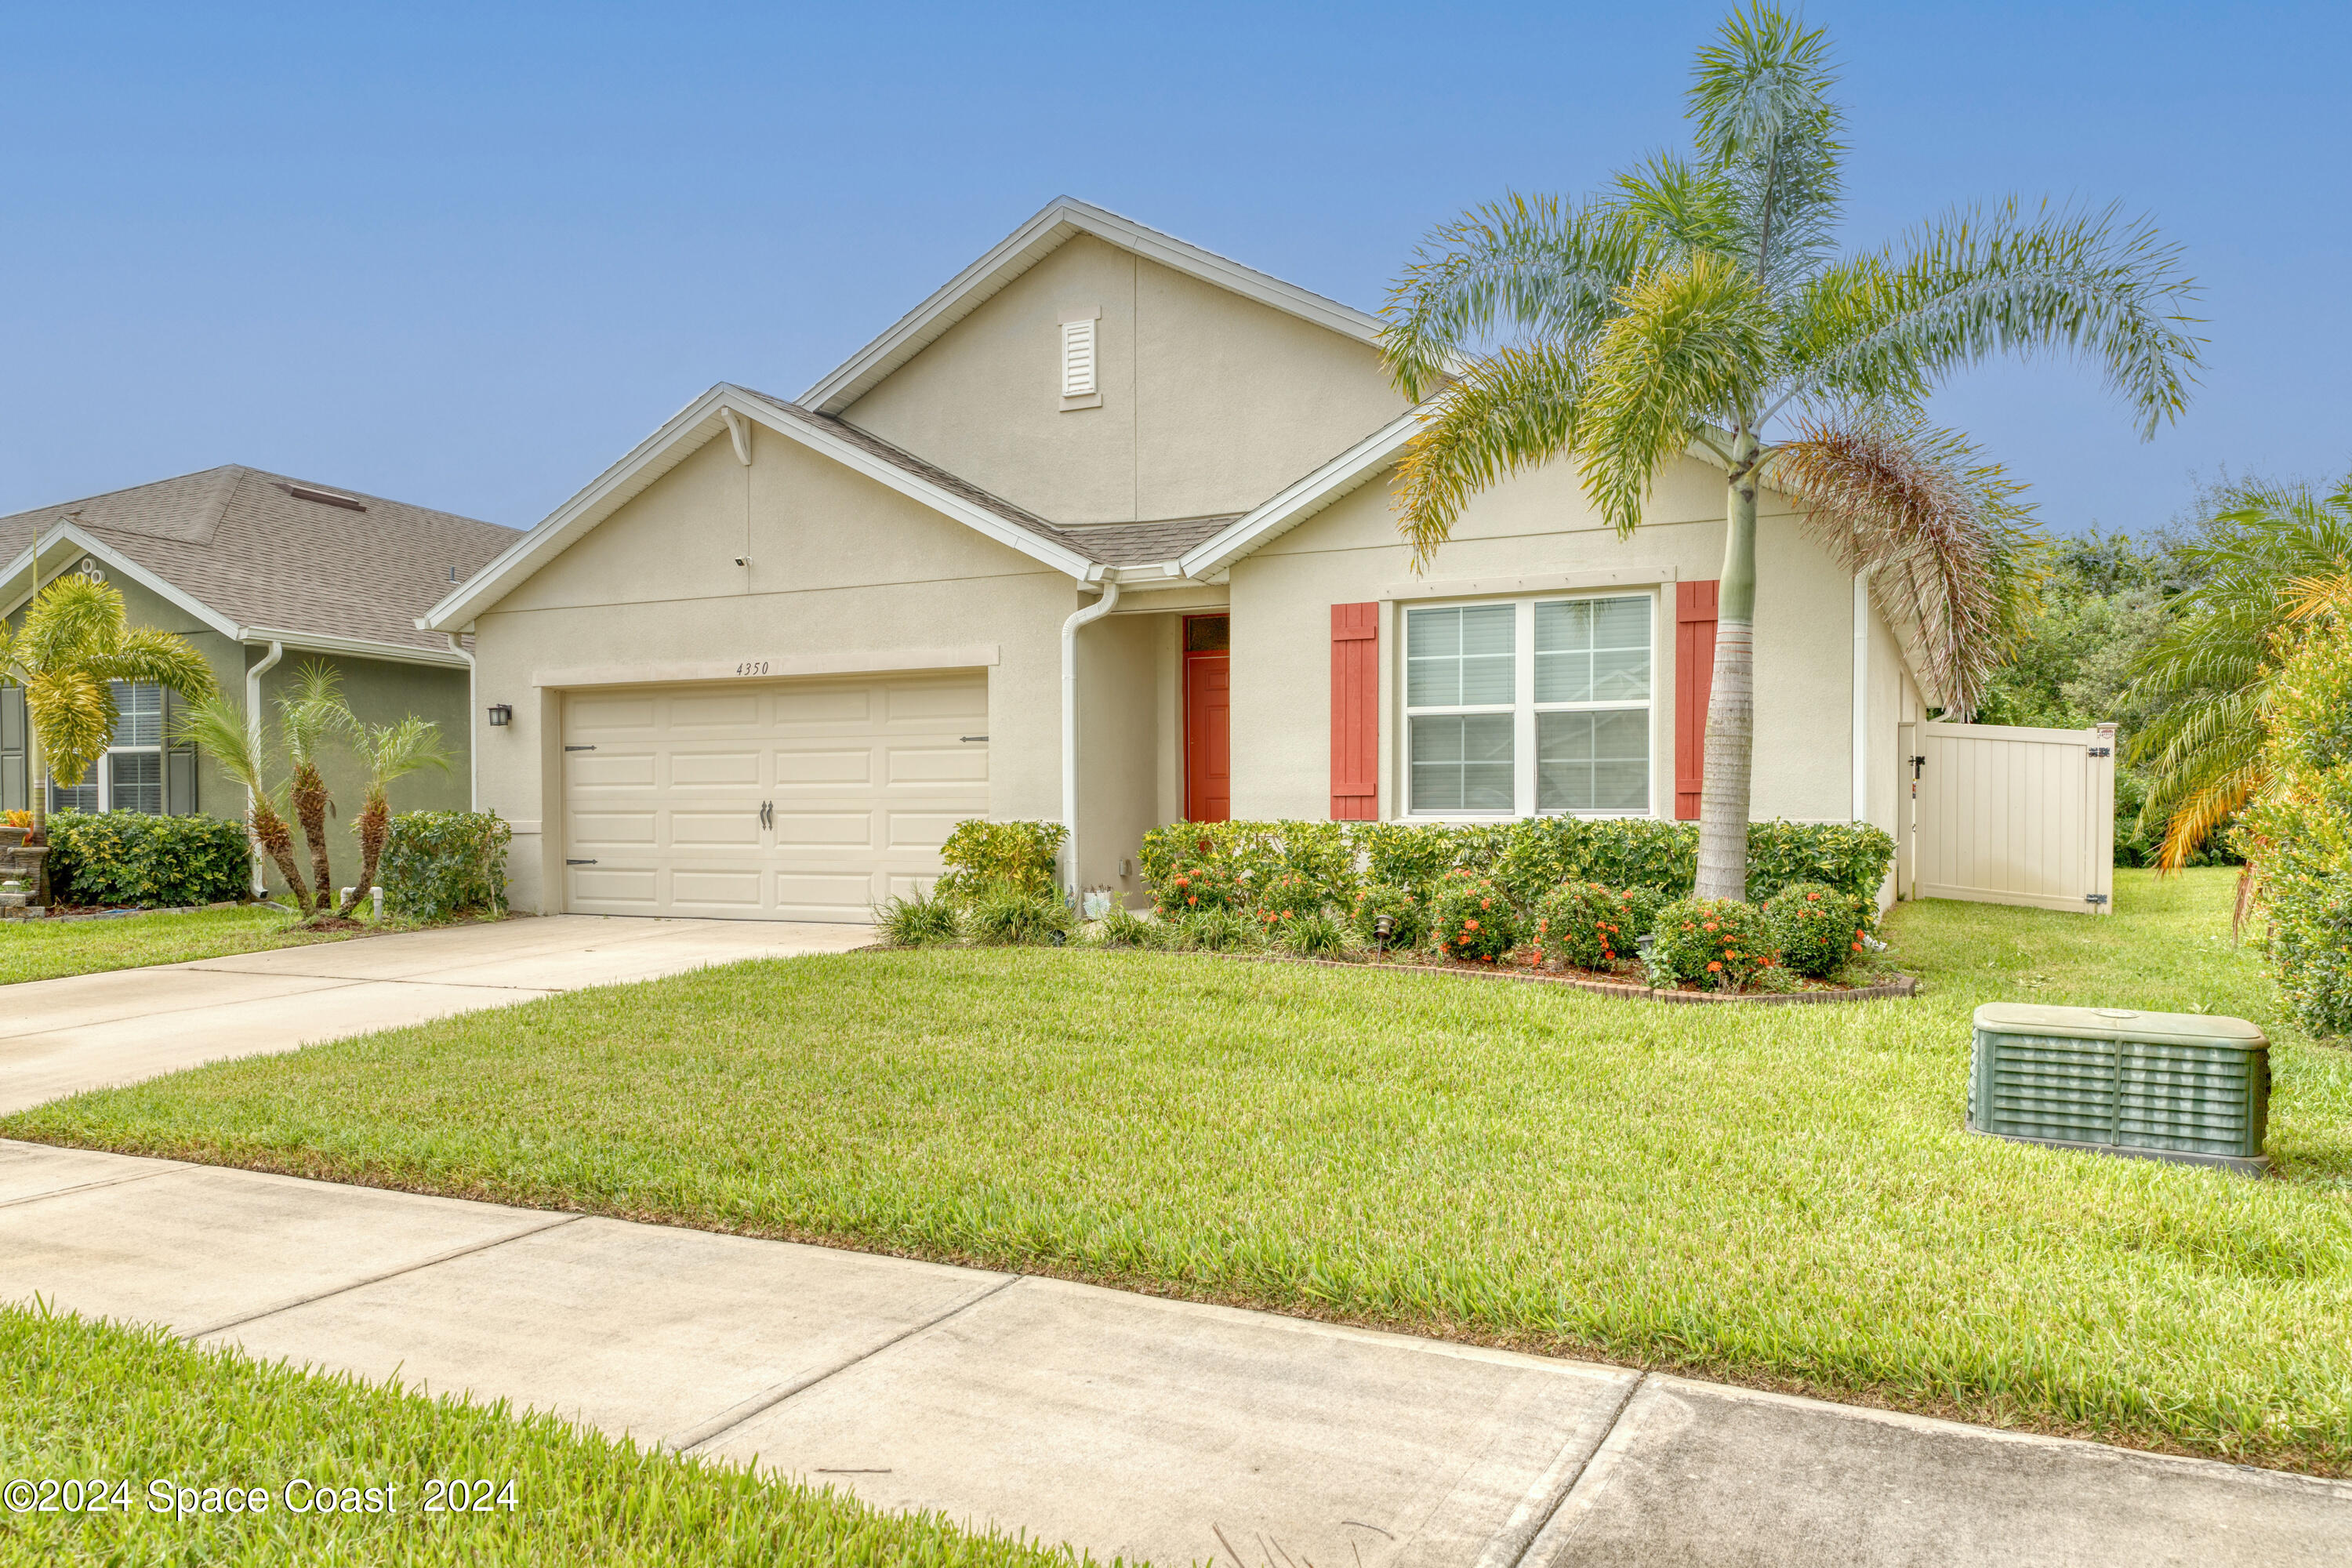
<point x="1901" y="986"/>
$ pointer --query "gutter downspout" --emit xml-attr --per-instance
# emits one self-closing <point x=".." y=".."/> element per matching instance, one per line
<point x="1092" y="612"/>
<point x="473" y="743"/>
<point x="253" y="675"/>
<point x="1861" y="698"/>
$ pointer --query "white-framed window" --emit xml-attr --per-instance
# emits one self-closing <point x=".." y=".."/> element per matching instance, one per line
<point x="130" y="776"/>
<point x="1526" y="707"/>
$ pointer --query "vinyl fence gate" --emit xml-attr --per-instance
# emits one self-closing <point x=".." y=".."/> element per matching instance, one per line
<point x="2007" y="814"/>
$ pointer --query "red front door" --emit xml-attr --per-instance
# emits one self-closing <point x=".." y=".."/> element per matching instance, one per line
<point x="1208" y="733"/>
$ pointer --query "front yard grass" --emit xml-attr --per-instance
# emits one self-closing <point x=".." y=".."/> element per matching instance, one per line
<point x="1777" y="1196"/>
<point x="46" y="949"/>
<point x="88" y="1403"/>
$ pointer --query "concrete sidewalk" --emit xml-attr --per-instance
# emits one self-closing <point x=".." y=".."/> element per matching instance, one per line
<point x="88" y="1031"/>
<point x="1117" y="1423"/>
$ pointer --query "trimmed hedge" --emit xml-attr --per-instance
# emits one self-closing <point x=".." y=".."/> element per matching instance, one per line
<point x="2299" y="828"/>
<point x="986" y="856"/>
<point x="441" y="864"/>
<point x="1715" y="942"/>
<point x="1527" y="858"/>
<point x="154" y="862"/>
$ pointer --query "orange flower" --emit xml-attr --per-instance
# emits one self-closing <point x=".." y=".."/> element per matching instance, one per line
<point x="1193" y="900"/>
<point x="1812" y="898"/>
<point x="1469" y="925"/>
<point x="1712" y="967"/>
<point x="1857" y="947"/>
<point x="1485" y="903"/>
<point x="1710" y="925"/>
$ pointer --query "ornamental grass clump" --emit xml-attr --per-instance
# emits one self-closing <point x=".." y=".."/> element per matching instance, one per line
<point x="1214" y="928"/>
<point x="1009" y="917"/>
<point x="1122" y="927"/>
<point x="916" y="922"/>
<point x="1407" y="912"/>
<point x="1818" y="928"/>
<point x="1718" y="943"/>
<point x="1583" y="925"/>
<point x="1474" y="921"/>
<point x="1314" y="934"/>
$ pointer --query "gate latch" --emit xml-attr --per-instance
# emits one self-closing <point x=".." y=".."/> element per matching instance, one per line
<point x="2102" y="752"/>
<point x="1918" y="766"/>
<point x="2094" y="898"/>
<point x="579" y="862"/>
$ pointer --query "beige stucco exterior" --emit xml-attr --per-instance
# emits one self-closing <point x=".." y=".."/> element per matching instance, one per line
<point x="1211" y="403"/>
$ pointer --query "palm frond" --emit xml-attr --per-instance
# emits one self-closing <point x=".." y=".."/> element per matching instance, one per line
<point x="313" y="712"/>
<point x="161" y="659"/>
<point x="1684" y="347"/>
<point x="2022" y="282"/>
<point x="1931" y="526"/>
<point x="1695" y="208"/>
<point x="217" y="726"/>
<point x="1510" y="411"/>
<point x="68" y="619"/>
<point x="1762" y="111"/>
<point x="74" y="715"/>
<point x="2221" y="795"/>
<point x="1545" y="268"/>
<point x="392" y="752"/>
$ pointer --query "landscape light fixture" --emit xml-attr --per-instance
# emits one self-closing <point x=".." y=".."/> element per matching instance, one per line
<point x="501" y="715"/>
<point x="1384" y="927"/>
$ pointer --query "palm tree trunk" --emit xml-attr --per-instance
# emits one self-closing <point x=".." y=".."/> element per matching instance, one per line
<point x="1731" y="697"/>
<point x="311" y="810"/>
<point x="277" y="840"/>
<point x="374" y="826"/>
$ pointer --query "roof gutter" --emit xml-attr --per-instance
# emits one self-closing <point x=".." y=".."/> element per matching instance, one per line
<point x="1093" y="612"/>
<point x="253" y="675"/>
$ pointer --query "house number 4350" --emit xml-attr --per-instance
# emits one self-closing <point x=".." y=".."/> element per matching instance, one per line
<point x="752" y="667"/>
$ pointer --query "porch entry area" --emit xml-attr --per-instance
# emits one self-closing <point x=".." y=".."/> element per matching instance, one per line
<point x="1208" y="719"/>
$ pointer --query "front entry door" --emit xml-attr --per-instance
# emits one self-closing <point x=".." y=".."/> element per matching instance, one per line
<point x="1208" y="730"/>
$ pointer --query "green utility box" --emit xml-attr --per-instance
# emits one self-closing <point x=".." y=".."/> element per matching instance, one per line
<point x="2163" y="1085"/>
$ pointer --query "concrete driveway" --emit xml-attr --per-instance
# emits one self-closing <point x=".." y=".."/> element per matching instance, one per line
<point x="91" y="1031"/>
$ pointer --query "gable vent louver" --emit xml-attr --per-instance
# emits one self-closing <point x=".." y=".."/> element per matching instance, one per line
<point x="1078" y="359"/>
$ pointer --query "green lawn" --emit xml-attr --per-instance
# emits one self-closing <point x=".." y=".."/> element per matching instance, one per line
<point x="43" y="950"/>
<point x="1781" y="1196"/>
<point x="86" y="1402"/>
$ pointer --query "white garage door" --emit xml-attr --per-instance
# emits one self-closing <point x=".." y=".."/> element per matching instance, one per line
<point x="809" y="800"/>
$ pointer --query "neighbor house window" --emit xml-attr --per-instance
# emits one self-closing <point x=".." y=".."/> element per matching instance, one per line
<point x="1528" y="706"/>
<point x="130" y="777"/>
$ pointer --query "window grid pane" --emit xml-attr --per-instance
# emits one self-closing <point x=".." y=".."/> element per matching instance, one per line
<point x="1463" y="762"/>
<point x="82" y="797"/>
<point x="138" y="714"/>
<point x="136" y="780"/>
<point x="1592" y="650"/>
<point x="1461" y="656"/>
<point x="1593" y="760"/>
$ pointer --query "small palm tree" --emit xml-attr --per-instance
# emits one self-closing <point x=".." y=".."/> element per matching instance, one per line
<point x="218" y="727"/>
<point x="2211" y="673"/>
<point x="390" y="752"/>
<point x="74" y="642"/>
<point x="310" y="716"/>
<point x="1702" y="303"/>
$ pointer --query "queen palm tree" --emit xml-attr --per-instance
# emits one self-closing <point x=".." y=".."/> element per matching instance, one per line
<point x="2211" y="672"/>
<point x="1701" y="303"/>
<point x="74" y="642"/>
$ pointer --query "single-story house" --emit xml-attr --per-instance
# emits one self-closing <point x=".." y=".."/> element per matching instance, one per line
<point x="1101" y="532"/>
<point x="263" y="573"/>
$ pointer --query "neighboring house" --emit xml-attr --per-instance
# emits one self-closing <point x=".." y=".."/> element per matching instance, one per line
<point x="759" y="666"/>
<point x="263" y="573"/>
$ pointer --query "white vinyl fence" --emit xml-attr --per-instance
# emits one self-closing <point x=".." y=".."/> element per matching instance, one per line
<point x="2007" y="814"/>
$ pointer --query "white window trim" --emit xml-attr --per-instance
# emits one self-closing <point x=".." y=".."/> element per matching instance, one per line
<point x="1524" y="708"/>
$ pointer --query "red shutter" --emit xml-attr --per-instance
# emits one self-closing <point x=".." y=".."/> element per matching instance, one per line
<point x="1355" y="713"/>
<point x="1694" y="676"/>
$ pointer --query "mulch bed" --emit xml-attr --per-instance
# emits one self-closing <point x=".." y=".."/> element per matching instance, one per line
<point x="1815" y="991"/>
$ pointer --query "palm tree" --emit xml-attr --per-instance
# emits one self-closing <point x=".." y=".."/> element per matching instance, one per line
<point x="2211" y="672"/>
<point x="390" y="752"/>
<point x="1701" y="303"/>
<point x="308" y="717"/>
<point x="74" y="643"/>
<point x="218" y="727"/>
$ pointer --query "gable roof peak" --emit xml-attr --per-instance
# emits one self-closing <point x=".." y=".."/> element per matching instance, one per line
<point x="1054" y="225"/>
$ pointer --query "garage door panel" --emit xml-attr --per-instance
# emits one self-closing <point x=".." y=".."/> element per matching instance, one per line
<point x="862" y="781"/>
<point x="824" y="705"/>
<point x="695" y="887"/>
<point x="917" y="704"/>
<point x="611" y="770"/>
<point x="616" y="829"/>
<point x="799" y="768"/>
<point x="698" y="769"/>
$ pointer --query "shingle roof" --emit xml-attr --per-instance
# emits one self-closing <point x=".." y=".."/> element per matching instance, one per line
<point x="238" y="541"/>
<point x="1107" y="544"/>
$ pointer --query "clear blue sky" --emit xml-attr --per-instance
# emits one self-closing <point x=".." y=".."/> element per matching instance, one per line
<point x="467" y="256"/>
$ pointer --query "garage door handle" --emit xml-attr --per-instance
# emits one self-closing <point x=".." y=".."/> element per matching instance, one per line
<point x="767" y="813"/>
<point x="579" y="862"/>
<point x="579" y="748"/>
<point x="972" y="737"/>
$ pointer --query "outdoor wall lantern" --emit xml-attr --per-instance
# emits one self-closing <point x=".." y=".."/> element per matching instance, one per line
<point x="501" y="715"/>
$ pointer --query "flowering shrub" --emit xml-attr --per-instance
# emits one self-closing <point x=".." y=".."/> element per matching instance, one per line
<point x="1284" y="898"/>
<point x="1719" y="944"/>
<point x="1408" y="913"/>
<point x="1474" y="919"/>
<point x="1817" y="926"/>
<point x="1584" y="925"/>
<point x="1194" y="885"/>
